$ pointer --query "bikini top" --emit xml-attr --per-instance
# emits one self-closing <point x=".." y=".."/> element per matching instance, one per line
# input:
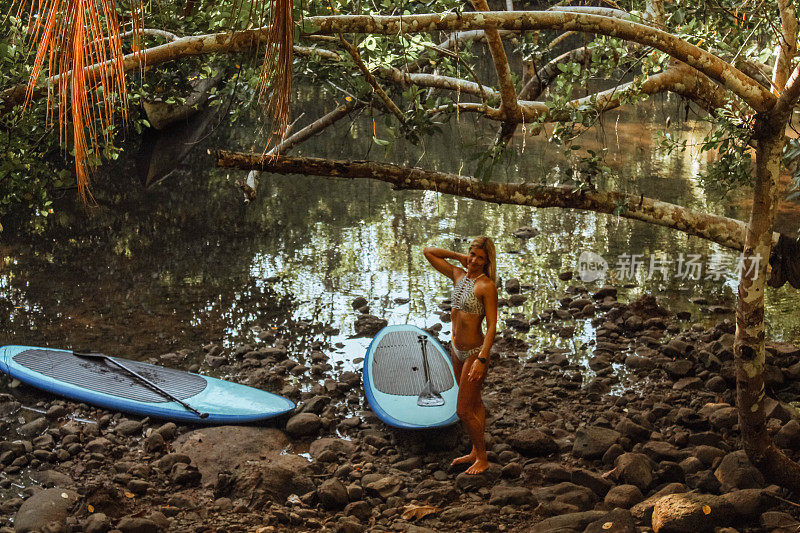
<point x="464" y="297"/>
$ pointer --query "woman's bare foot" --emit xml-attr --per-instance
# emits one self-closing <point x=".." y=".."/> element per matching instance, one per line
<point x="464" y="459"/>
<point x="478" y="466"/>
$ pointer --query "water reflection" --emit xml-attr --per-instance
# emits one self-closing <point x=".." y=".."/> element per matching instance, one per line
<point x="185" y="263"/>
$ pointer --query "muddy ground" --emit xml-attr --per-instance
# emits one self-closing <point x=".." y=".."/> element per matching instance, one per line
<point x="571" y="448"/>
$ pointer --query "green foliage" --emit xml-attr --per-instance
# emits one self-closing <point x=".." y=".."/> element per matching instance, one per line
<point x="31" y="165"/>
<point x="36" y="167"/>
<point x="729" y="140"/>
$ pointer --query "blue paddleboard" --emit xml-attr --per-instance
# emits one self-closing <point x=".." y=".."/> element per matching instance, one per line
<point x="394" y="376"/>
<point x="101" y="383"/>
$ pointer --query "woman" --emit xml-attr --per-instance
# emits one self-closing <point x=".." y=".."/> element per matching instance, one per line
<point x="474" y="297"/>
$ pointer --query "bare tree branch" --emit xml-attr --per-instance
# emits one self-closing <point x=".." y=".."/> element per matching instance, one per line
<point x="508" y="94"/>
<point x="250" y="184"/>
<point x="715" y="68"/>
<point x="679" y="79"/>
<point x="316" y="127"/>
<point x="721" y="72"/>
<point x="387" y="102"/>
<point x="593" y="10"/>
<point x="721" y="230"/>
<point x="787" y="45"/>
<point x="439" y="82"/>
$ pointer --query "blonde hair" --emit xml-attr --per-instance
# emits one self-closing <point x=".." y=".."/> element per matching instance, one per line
<point x="487" y="245"/>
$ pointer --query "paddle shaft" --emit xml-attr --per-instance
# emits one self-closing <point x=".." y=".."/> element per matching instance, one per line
<point x="425" y="358"/>
<point x="140" y="378"/>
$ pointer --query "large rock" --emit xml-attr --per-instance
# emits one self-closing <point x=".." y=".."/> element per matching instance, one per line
<point x="691" y="513"/>
<point x="332" y="494"/>
<point x="48" y="505"/>
<point x="385" y="487"/>
<point x="565" y="496"/>
<point x="33" y="428"/>
<point x="624" y="496"/>
<point x="532" y="442"/>
<point x="265" y="481"/>
<point x="510" y="495"/>
<point x="332" y="445"/>
<point x="137" y="524"/>
<point x="644" y="510"/>
<point x="736" y="472"/>
<point x="473" y="482"/>
<point x="616" y="521"/>
<point x="567" y="522"/>
<point x="225" y="448"/>
<point x="304" y="425"/>
<point x="634" y="469"/>
<point x="369" y="325"/>
<point x="592" y="442"/>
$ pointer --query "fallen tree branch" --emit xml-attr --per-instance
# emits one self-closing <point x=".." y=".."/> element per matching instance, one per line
<point x="721" y="230"/>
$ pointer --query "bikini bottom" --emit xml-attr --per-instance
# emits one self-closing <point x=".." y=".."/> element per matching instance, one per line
<point x="463" y="354"/>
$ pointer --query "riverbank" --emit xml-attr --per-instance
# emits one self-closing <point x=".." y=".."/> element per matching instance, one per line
<point x="643" y="435"/>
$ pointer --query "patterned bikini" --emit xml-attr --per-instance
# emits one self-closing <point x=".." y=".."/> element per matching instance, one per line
<point x="464" y="299"/>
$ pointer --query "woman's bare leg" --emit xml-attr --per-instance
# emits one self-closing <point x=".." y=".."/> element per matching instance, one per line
<point x="458" y="369"/>
<point x="472" y="413"/>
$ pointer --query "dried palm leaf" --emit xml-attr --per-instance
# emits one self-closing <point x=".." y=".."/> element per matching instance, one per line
<point x="73" y="35"/>
<point x="276" y="75"/>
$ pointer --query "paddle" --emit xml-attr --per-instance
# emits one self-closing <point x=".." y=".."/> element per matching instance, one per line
<point x="94" y="355"/>
<point x="427" y="397"/>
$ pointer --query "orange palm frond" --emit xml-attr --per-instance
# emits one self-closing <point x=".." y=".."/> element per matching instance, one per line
<point x="72" y="35"/>
<point x="276" y="76"/>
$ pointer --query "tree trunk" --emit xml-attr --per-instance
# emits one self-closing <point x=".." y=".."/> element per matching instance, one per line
<point x="749" y="343"/>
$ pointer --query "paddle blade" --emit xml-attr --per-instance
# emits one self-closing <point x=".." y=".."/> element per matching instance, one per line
<point x="429" y="398"/>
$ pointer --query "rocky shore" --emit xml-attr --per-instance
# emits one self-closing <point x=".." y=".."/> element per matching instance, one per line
<point x="572" y="449"/>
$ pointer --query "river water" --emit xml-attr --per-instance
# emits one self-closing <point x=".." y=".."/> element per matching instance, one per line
<point x="187" y="262"/>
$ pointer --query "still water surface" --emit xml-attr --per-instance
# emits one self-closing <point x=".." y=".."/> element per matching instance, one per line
<point x="187" y="262"/>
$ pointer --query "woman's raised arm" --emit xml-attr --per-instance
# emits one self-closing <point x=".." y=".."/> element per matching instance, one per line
<point x="438" y="258"/>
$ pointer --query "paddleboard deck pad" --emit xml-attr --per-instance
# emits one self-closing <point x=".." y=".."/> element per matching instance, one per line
<point x="394" y="376"/>
<point x="101" y="383"/>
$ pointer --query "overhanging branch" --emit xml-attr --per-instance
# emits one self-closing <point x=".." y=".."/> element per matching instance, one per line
<point x="721" y="230"/>
<point x="712" y="66"/>
<point x="715" y="68"/>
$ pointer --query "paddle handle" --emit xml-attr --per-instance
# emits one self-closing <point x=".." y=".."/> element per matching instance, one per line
<point x="142" y="379"/>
